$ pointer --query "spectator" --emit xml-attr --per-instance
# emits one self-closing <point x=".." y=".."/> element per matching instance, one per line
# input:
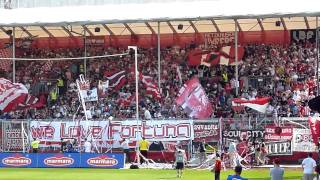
<point x="276" y="172"/>
<point x="144" y="147"/>
<point x="217" y="168"/>
<point x="236" y="176"/>
<point x="87" y="146"/>
<point x="308" y="165"/>
<point x="35" y="145"/>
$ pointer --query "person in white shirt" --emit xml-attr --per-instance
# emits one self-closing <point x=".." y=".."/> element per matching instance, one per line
<point x="87" y="146"/>
<point x="308" y="165"/>
<point x="126" y="149"/>
<point x="147" y="114"/>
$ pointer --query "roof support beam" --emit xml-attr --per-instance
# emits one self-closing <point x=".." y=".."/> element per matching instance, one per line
<point x="171" y="27"/>
<point x="194" y="27"/>
<point x="129" y="29"/>
<point x="26" y="31"/>
<point x="307" y="22"/>
<point x="260" y="24"/>
<point x="108" y="29"/>
<point x="283" y="24"/>
<point x="67" y="31"/>
<point x="46" y="30"/>
<point x="4" y="30"/>
<point x="237" y="23"/>
<point x="88" y="30"/>
<point x="215" y="25"/>
<point x="150" y="28"/>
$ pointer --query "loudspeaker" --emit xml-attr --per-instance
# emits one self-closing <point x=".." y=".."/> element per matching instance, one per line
<point x="314" y="104"/>
<point x="180" y="26"/>
<point x="97" y="29"/>
<point x="9" y="32"/>
<point x="133" y="166"/>
<point x="278" y="23"/>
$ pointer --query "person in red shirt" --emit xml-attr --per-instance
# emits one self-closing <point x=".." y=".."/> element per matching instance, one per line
<point x="217" y="168"/>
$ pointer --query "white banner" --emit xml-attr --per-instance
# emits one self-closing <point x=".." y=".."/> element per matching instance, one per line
<point x="90" y="95"/>
<point x="168" y="130"/>
<point x="302" y="141"/>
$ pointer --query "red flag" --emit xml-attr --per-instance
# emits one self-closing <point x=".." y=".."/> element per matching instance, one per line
<point x="258" y="104"/>
<point x="32" y="102"/>
<point x="195" y="57"/>
<point x="314" y="124"/>
<point x="151" y="87"/>
<point x="5" y="64"/>
<point x="117" y="79"/>
<point x="193" y="99"/>
<point x="11" y="94"/>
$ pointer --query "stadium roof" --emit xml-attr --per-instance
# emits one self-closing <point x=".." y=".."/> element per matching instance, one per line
<point x="142" y="18"/>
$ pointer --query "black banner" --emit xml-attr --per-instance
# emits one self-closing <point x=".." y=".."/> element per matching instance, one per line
<point x="279" y="148"/>
<point x="302" y="35"/>
<point x="240" y="134"/>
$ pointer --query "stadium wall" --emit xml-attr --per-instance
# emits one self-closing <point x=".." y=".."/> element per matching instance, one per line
<point x="150" y="40"/>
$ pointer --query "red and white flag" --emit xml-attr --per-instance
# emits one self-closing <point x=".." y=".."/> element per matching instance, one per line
<point x="11" y="94"/>
<point x="5" y="63"/>
<point x="193" y="99"/>
<point x="151" y="87"/>
<point x="47" y="66"/>
<point x="258" y="104"/>
<point x="116" y="79"/>
<point x="314" y="124"/>
<point x="228" y="55"/>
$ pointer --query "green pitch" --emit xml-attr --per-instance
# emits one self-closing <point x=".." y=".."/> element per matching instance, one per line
<point x="129" y="174"/>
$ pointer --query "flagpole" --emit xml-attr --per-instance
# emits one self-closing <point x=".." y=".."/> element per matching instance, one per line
<point x="13" y="54"/>
<point x="159" y="58"/>
<point x="85" y="52"/>
<point x="236" y="55"/>
<point x="317" y="48"/>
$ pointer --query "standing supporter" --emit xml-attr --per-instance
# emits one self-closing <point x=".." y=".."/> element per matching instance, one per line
<point x="87" y="146"/>
<point x="276" y="172"/>
<point x="308" y="165"/>
<point x="35" y="145"/>
<point x="180" y="161"/>
<point x="144" y="147"/>
<point x="217" y="168"/>
<point x="236" y="176"/>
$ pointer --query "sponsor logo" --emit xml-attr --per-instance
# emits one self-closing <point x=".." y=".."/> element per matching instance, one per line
<point x="102" y="161"/>
<point x="16" y="161"/>
<point x="58" y="161"/>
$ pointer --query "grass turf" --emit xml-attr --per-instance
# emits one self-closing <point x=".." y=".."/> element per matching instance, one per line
<point x="130" y="174"/>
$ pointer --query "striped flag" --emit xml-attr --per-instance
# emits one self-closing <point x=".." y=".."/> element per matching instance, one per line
<point x="117" y="79"/>
<point x="47" y="66"/>
<point x="258" y="104"/>
<point x="11" y="94"/>
<point x="5" y="63"/>
<point x="151" y="87"/>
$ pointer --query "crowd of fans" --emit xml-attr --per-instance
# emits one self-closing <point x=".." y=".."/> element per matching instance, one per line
<point x="285" y="73"/>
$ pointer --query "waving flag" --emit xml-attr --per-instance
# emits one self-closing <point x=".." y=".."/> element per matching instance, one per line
<point x="11" y="94"/>
<point x="116" y="79"/>
<point x="314" y="123"/>
<point x="258" y="104"/>
<point x="151" y="87"/>
<point x="193" y="99"/>
<point x="32" y="102"/>
<point x="228" y="54"/>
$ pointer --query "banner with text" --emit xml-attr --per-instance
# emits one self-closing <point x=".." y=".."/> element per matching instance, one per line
<point x="100" y="131"/>
<point x="277" y="148"/>
<point x="206" y="130"/>
<point x="303" y="35"/>
<point x="271" y="134"/>
<point x="219" y="38"/>
<point x="302" y="141"/>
